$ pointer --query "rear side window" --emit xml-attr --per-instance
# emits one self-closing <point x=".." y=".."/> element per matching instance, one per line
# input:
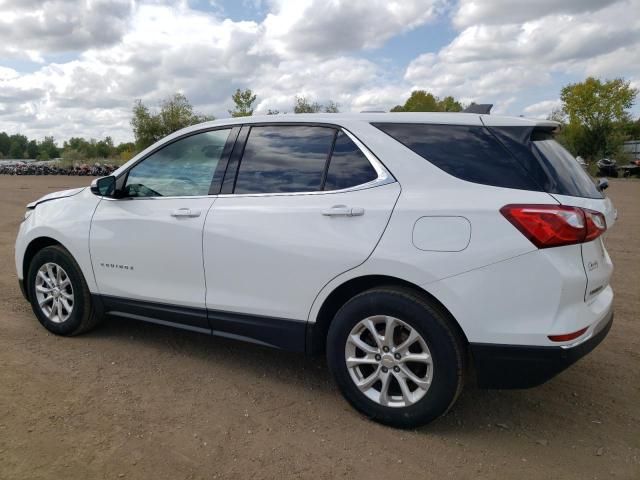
<point x="280" y="159"/>
<point x="470" y="153"/>
<point x="348" y="167"/>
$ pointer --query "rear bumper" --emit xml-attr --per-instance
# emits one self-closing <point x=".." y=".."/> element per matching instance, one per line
<point x="518" y="366"/>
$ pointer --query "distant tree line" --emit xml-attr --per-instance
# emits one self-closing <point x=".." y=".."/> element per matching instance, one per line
<point x="594" y="116"/>
<point x="19" y="147"/>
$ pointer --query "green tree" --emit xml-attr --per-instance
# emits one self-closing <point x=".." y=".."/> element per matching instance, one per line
<point x="175" y="113"/>
<point x="48" y="149"/>
<point x="423" y="101"/>
<point x="5" y="144"/>
<point x="244" y="100"/>
<point x="18" y="146"/>
<point x="105" y="148"/>
<point x="302" y="105"/>
<point x="332" y="107"/>
<point x="596" y="112"/>
<point x="32" y="149"/>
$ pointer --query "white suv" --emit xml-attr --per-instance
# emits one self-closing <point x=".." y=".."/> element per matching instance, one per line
<point x="405" y="246"/>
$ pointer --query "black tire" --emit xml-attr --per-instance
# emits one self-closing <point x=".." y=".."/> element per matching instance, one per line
<point x="83" y="316"/>
<point x="447" y="349"/>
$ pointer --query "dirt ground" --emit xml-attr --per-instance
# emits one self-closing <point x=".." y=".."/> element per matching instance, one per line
<point x="131" y="400"/>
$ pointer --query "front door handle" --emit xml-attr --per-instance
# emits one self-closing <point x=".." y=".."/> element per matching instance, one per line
<point x="185" y="212"/>
<point x="343" y="211"/>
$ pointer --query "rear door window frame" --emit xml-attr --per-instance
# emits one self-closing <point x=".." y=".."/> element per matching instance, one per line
<point x="233" y="166"/>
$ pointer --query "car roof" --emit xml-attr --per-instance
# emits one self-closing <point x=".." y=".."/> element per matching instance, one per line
<point x="446" y="118"/>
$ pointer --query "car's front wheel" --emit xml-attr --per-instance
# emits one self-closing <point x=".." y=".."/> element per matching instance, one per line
<point x="396" y="357"/>
<point x="58" y="292"/>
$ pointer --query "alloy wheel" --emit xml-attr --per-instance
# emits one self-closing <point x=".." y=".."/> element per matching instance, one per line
<point x="54" y="292"/>
<point x="389" y="361"/>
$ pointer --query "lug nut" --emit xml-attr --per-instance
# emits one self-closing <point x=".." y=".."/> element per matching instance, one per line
<point x="385" y="369"/>
<point x="396" y="369"/>
<point x="385" y="349"/>
<point x="397" y="356"/>
<point x="378" y="357"/>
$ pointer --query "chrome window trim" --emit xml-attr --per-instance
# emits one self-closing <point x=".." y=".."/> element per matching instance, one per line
<point x="384" y="178"/>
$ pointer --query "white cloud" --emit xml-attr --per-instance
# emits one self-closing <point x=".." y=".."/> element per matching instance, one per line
<point x="149" y="49"/>
<point x="471" y="12"/>
<point x="323" y="28"/>
<point x="542" y="109"/>
<point x="48" y="26"/>
<point x="498" y="59"/>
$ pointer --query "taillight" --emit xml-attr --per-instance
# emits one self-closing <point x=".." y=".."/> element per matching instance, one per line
<point x="555" y="225"/>
<point x="596" y="224"/>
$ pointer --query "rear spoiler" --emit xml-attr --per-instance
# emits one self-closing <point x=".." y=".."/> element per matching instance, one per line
<point x="481" y="108"/>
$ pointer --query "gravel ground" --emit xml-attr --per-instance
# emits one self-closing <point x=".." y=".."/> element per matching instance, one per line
<point x="131" y="400"/>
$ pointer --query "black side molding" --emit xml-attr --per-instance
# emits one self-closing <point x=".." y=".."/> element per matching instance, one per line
<point x="152" y="311"/>
<point x="517" y="366"/>
<point x="286" y="334"/>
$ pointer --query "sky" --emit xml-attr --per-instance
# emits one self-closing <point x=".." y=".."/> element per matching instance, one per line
<point x="75" y="67"/>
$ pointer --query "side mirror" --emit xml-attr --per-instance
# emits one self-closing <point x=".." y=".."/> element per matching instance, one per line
<point x="104" y="187"/>
<point x="603" y="184"/>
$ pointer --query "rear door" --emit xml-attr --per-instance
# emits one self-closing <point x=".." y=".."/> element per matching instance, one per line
<point x="305" y="204"/>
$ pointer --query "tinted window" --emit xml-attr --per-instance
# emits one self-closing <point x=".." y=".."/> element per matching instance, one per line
<point x="284" y="159"/>
<point x="182" y="168"/>
<point x="348" y="166"/>
<point x="570" y="178"/>
<point x="471" y="153"/>
<point x="553" y="167"/>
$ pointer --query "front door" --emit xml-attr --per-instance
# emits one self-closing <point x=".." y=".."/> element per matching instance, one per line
<point x="146" y="245"/>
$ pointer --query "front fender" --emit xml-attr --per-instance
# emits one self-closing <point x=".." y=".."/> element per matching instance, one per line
<point x="67" y="221"/>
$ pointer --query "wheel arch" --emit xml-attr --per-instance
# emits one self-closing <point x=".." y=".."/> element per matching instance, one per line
<point x="317" y="332"/>
<point x="34" y="247"/>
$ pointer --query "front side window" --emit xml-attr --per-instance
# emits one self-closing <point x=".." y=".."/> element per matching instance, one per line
<point x="348" y="166"/>
<point x="182" y="168"/>
<point x="284" y="158"/>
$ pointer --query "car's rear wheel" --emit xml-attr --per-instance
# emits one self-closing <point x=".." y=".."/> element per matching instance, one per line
<point x="59" y="294"/>
<point x="396" y="357"/>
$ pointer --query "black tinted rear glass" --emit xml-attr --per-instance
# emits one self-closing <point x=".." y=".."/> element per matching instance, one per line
<point x="570" y="178"/>
<point x="470" y="153"/>
<point x="348" y="167"/>
<point x="548" y="162"/>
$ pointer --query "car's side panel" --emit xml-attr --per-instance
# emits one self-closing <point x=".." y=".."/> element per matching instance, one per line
<point x="271" y="254"/>
<point x="65" y="220"/>
<point x="148" y="249"/>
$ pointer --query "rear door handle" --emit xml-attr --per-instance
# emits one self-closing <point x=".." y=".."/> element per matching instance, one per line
<point x="185" y="212"/>
<point x="343" y="211"/>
